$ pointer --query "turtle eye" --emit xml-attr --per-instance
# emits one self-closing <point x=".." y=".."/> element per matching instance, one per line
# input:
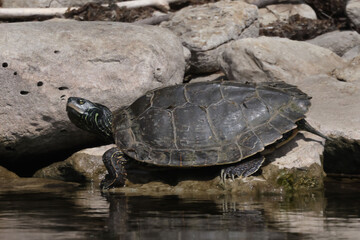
<point x="81" y="101"/>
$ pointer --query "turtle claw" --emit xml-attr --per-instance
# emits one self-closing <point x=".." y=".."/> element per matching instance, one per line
<point x="241" y="169"/>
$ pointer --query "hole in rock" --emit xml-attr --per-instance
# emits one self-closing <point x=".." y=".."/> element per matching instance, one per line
<point x="56" y="51"/>
<point x="46" y="118"/>
<point x="24" y="92"/>
<point x="15" y="73"/>
<point x="8" y="148"/>
<point x="5" y="64"/>
<point x="63" y="88"/>
<point x="40" y="83"/>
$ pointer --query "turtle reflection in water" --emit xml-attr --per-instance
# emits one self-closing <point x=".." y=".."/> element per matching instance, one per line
<point x="196" y="125"/>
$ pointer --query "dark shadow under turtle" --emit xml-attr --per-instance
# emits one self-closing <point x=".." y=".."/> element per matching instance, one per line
<point x="226" y="124"/>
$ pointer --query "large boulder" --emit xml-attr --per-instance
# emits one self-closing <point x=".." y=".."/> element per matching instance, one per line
<point x="44" y="63"/>
<point x="271" y="58"/>
<point x="206" y="29"/>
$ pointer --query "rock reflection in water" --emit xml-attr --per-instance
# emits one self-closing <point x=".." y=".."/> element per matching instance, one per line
<point x="89" y="214"/>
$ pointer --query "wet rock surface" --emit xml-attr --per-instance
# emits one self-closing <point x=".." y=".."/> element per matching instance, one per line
<point x="295" y="166"/>
<point x="10" y="182"/>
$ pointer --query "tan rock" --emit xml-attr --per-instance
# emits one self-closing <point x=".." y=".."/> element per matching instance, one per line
<point x="83" y="166"/>
<point x="5" y="174"/>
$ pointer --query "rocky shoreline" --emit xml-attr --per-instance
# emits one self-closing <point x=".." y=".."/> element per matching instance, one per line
<point x="113" y="63"/>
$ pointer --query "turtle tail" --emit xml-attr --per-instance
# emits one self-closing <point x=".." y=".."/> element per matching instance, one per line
<point x="304" y="125"/>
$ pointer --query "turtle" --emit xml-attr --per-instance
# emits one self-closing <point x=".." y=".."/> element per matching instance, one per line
<point x="219" y="123"/>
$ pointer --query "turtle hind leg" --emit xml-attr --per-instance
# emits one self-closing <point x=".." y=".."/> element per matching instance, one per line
<point x="114" y="161"/>
<point x="243" y="168"/>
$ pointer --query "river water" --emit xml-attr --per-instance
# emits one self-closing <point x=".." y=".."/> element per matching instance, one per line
<point x="86" y="213"/>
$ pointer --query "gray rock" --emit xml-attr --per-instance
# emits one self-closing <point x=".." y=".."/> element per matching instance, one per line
<point x="206" y="29"/>
<point x="352" y="53"/>
<point x="44" y="63"/>
<point x="338" y="42"/>
<point x="83" y="166"/>
<point x="283" y="12"/>
<point x="266" y="58"/>
<point x="45" y="3"/>
<point x="353" y="12"/>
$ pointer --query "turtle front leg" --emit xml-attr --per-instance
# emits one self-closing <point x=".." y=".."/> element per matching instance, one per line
<point x="243" y="168"/>
<point x="114" y="161"/>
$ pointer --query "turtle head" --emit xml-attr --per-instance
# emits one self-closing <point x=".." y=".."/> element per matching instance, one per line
<point x="91" y="117"/>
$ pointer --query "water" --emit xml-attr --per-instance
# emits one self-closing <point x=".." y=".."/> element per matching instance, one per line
<point x="86" y="213"/>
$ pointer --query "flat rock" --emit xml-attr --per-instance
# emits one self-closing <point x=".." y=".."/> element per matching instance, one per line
<point x="282" y="12"/>
<point x="294" y="166"/>
<point x="338" y="42"/>
<point x="83" y="166"/>
<point x="205" y="29"/>
<point x="44" y="63"/>
<point x="272" y="58"/>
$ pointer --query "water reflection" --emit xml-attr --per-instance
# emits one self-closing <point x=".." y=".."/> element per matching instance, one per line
<point x="89" y="214"/>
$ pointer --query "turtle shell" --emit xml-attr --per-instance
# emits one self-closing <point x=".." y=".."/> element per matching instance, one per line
<point x="207" y="123"/>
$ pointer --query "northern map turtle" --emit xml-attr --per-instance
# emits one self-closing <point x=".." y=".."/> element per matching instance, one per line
<point x="196" y="125"/>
